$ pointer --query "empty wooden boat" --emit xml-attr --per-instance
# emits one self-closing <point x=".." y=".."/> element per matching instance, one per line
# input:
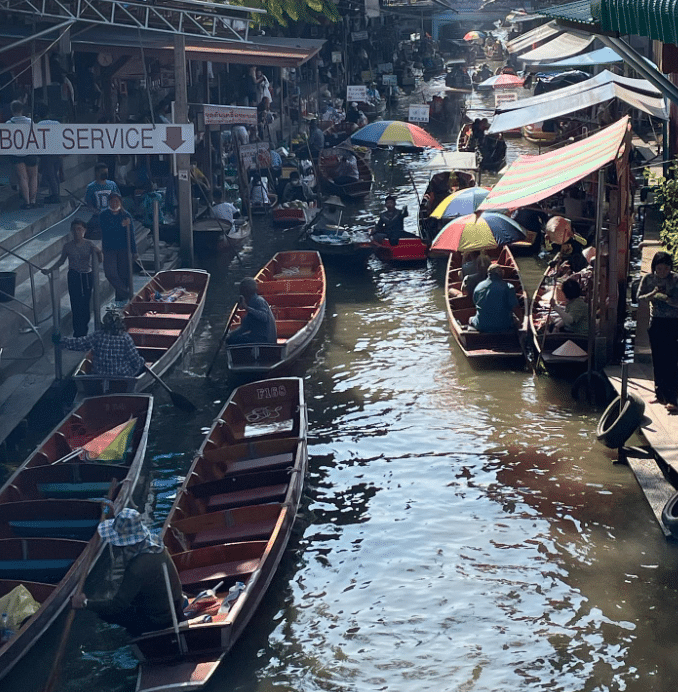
<point x="230" y="523"/>
<point x="161" y="319"/>
<point x="329" y="160"/>
<point x="51" y="505"/>
<point x="485" y="346"/>
<point x="294" y="284"/>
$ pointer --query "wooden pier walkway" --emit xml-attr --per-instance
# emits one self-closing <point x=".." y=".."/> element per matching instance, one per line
<point x="653" y="472"/>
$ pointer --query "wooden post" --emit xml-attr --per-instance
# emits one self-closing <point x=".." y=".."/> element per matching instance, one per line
<point x="183" y="160"/>
<point x="156" y="235"/>
<point x="96" y="293"/>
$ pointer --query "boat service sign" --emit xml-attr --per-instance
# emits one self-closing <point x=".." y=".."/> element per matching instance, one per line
<point x="418" y="113"/>
<point x="24" y="139"/>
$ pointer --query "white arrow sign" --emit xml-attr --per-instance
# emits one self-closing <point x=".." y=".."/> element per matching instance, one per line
<point x="23" y="139"/>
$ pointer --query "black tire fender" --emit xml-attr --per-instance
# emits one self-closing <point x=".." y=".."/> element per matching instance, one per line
<point x="670" y="514"/>
<point x="599" y="390"/>
<point x="620" y="420"/>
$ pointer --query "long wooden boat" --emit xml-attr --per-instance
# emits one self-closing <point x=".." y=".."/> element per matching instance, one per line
<point x="49" y="509"/>
<point x="345" y="245"/>
<point x="210" y="234"/>
<point x="161" y="319"/>
<point x="408" y="249"/>
<point x="230" y="522"/>
<point x="336" y="133"/>
<point x="329" y="159"/>
<point x="294" y="284"/>
<point x="492" y="150"/>
<point x="541" y="316"/>
<point x="484" y="346"/>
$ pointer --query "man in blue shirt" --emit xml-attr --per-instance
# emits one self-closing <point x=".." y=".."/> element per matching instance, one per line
<point x="495" y="300"/>
<point x="258" y="324"/>
<point x="117" y="241"/>
<point x="96" y="198"/>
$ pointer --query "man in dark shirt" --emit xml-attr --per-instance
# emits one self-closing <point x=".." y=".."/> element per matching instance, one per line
<point x="390" y="223"/>
<point x="96" y="198"/>
<point x="297" y="190"/>
<point x="117" y="241"/>
<point x="258" y="324"/>
<point x="142" y="602"/>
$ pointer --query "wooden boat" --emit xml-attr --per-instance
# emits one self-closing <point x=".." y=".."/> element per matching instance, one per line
<point x="372" y="109"/>
<point x="410" y="248"/>
<point x="217" y="233"/>
<point x="554" y="134"/>
<point x="294" y="285"/>
<point x="47" y="519"/>
<point x="297" y="214"/>
<point x="161" y="319"/>
<point x="230" y="522"/>
<point x="492" y="150"/>
<point x="545" y="344"/>
<point x="345" y="245"/>
<point x="483" y="346"/>
<point x="329" y="159"/>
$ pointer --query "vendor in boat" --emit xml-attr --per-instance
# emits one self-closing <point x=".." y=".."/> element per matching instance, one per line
<point x="329" y="218"/>
<point x="225" y="211"/>
<point x="390" y="223"/>
<point x="142" y="601"/>
<point x="574" y="317"/>
<point x="114" y="354"/>
<point x="346" y="171"/>
<point x="258" y="324"/>
<point x="316" y="138"/>
<point x="495" y="300"/>
<point x="297" y="190"/>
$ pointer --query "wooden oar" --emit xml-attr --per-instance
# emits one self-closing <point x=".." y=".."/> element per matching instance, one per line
<point x="221" y="341"/>
<point x="56" y="668"/>
<point x="543" y="338"/>
<point x="177" y="399"/>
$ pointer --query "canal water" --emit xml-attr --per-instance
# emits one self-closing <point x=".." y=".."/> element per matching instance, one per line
<point x="461" y="530"/>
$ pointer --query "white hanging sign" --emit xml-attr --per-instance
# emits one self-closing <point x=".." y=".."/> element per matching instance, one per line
<point x="356" y="93"/>
<point x="418" y="113"/>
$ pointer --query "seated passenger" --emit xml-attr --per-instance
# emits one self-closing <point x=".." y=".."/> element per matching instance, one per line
<point x="390" y="223"/>
<point x="297" y="190"/>
<point x="495" y="300"/>
<point x="574" y="317"/>
<point x="475" y="273"/>
<point x="258" y="324"/>
<point x="347" y="170"/>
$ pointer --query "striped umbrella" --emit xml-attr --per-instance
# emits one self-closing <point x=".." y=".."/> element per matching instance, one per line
<point x="394" y="133"/>
<point x="460" y="202"/>
<point x="473" y="35"/>
<point x="477" y="232"/>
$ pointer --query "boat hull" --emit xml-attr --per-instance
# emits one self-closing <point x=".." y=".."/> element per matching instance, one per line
<point x="161" y="331"/>
<point x="31" y="527"/>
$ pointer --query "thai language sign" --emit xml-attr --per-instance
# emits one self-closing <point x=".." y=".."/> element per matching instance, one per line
<point x="30" y="138"/>
<point x="418" y="114"/>
<point x="356" y="93"/>
<point x="229" y="115"/>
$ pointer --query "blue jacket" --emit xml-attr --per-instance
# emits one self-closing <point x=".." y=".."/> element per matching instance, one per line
<point x="494" y="299"/>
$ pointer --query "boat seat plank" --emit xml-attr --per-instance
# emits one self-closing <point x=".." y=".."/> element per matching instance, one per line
<point x="234" y="534"/>
<point x="78" y="529"/>
<point x="74" y="490"/>
<point x="35" y="570"/>
<point x="218" y="572"/>
<point x="262" y="463"/>
<point x="142" y="331"/>
<point x="251" y="496"/>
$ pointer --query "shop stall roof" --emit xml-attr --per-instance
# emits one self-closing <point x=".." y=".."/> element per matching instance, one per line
<point x="453" y="161"/>
<point x="529" y="38"/>
<point x="563" y="46"/>
<point x="531" y="179"/>
<point x="602" y="56"/>
<point x="264" y="51"/>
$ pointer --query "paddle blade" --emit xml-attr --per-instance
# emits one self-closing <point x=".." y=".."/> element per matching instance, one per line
<point x="181" y="402"/>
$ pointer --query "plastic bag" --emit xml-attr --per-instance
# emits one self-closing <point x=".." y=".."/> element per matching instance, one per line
<point x="19" y="605"/>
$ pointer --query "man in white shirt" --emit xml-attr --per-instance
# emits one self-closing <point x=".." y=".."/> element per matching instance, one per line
<point x="224" y="211"/>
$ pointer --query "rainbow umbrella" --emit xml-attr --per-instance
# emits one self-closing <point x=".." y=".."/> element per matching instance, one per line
<point x="460" y="202"/>
<point x="477" y="232"/>
<point x="394" y="133"/>
<point x="501" y="81"/>
<point x="473" y="35"/>
<point x="112" y="444"/>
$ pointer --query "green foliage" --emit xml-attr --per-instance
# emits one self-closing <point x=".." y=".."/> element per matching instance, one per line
<point x="666" y="193"/>
<point x="283" y="11"/>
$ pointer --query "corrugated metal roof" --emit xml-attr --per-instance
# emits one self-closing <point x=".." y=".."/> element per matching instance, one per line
<point x="533" y="178"/>
<point x="539" y="33"/>
<point x="657" y="19"/>
<point x="562" y="46"/>
<point x="579" y="12"/>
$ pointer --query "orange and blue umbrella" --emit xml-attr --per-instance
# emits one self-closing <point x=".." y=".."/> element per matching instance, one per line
<point x="460" y="202"/>
<point x="473" y="35"/>
<point x="477" y="232"/>
<point x="394" y="133"/>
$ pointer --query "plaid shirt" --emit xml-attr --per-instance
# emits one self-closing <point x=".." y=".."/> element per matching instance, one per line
<point x="114" y="355"/>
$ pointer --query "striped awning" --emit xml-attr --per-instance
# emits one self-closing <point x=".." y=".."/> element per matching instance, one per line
<point x="533" y="178"/>
<point x="529" y="38"/>
<point x="562" y="46"/>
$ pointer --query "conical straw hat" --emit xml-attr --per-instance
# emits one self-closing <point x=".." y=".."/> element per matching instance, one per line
<point x="569" y="350"/>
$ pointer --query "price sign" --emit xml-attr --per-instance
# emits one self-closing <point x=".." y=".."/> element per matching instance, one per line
<point x="389" y="79"/>
<point x="336" y="56"/>
<point x="418" y="114"/>
<point x="356" y="93"/>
